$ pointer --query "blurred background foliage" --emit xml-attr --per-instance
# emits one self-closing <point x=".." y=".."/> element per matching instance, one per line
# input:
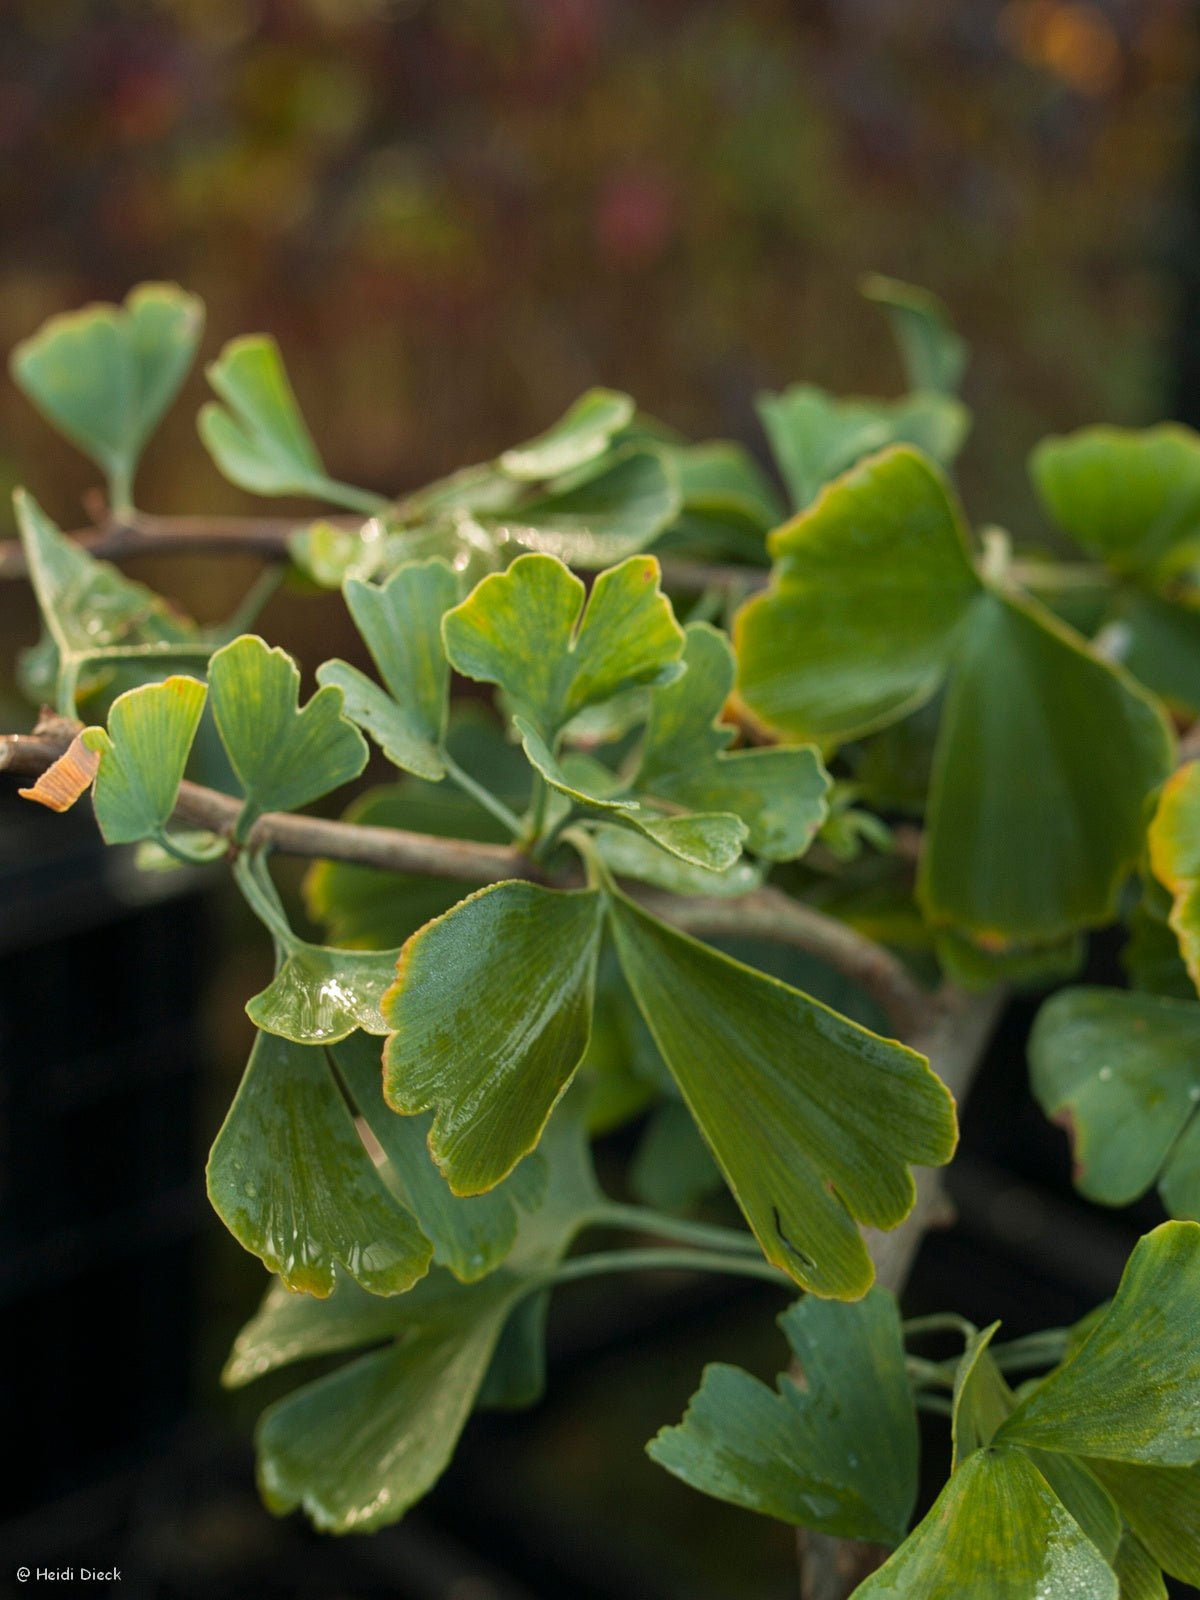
<point x="455" y="215"/>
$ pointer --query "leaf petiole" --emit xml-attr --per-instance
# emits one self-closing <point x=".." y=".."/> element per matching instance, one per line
<point x="661" y="1260"/>
<point x="484" y="797"/>
<point x="642" y="1219"/>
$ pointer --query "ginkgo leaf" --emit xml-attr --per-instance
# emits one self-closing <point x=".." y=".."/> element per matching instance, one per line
<point x="257" y="436"/>
<point x="1122" y="1073"/>
<point x="1162" y="1506"/>
<point x="812" y="1119"/>
<point x="283" y="754"/>
<point x="815" y="437"/>
<point x="836" y="1451"/>
<point x="528" y="631"/>
<point x="321" y="994"/>
<point x="711" y="841"/>
<point x="400" y="622"/>
<point x="1130" y="496"/>
<point x="868" y="598"/>
<point x="780" y="794"/>
<point x="580" y="434"/>
<point x="603" y="513"/>
<point x="105" y="375"/>
<point x="997" y="1529"/>
<point x="143" y="754"/>
<point x="934" y="354"/>
<point x="1175" y="859"/>
<point x="90" y="610"/>
<point x="1131" y="1390"/>
<point x="291" y="1180"/>
<point x="359" y="1446"/>
<point x="1045" y="761"/>
<point x="471" y="1236"/>
<point x="491" y="1009"/>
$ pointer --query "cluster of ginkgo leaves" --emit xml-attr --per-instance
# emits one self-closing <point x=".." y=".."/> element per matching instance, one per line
<point x="409" y="1150"/>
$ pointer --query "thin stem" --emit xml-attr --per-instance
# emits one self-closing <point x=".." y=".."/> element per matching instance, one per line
<point x="935" y="1403"/>
<point x="484" y="797"/>
<point x="921" y="1371"/>
<point x="1044" y="1349"/>
<point x="939" y="1322"/>
<point x="641" y="1219"/>
<point x="664" y="1260"/>
<point x="364" y="500"/>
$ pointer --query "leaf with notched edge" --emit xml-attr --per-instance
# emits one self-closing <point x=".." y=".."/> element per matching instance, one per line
<point x="106" y="374"/>
<point x="284" y="754"/>
<point x="492" y="1009"/>
<point x="528" y="631"/>
<point x="400" y="623"/>
<point x="471" y="1236"/>
<point x="836" y="1451"/>
<point x="812" y="1119"/>
<point x="142" y="755"/>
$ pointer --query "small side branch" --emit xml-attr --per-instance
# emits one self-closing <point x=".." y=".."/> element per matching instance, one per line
<point x="141" y="533"/>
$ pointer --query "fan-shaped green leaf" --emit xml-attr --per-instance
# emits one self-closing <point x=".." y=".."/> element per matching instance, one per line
<point x="996" y="1532"/>
<point x="599" y="515"/>
<point x="258" y="437"/>
<point x="1122" y="1073"/>
<point x="779" y="794"/>
<point x="815" y="437"/>
<point x="106" y="374"/>
<point x="400" y="623"/>
<point x="870" y="591"/>
<point x="1131" y="1391"/>
<point x="321" y="994"/>
<point x="491" y="1010"/>
<point x="522" y="630"/>
<point x="283" y="754"/>
<point x="836" y="1452"/>
<point x="812" y="1119"/>
<point x="291" y="1180"/>
<point x="581" y="434"/>
<point x="143" y="755"/>
<point x="629" y="856"/>
<point x="471" y="1236"/>
<point x="934" y="354"/>
<point x="1045" y="760"/>
<point x="1132" y="497"/>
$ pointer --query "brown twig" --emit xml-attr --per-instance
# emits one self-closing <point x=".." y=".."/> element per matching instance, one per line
<point x="764" y="913"/>
<point x="141" y="533"/>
